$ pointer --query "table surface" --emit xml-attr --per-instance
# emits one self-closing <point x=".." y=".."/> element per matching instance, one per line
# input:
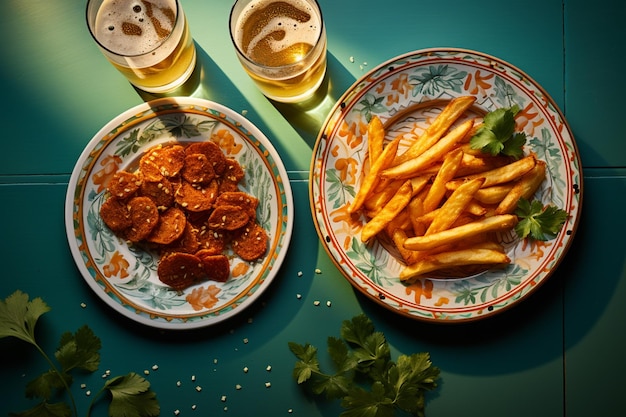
<point x="559" y="352"/>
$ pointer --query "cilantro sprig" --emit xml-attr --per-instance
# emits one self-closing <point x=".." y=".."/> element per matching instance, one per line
<point x="538" y="221"/>
<point x="362" y="356"/>
<point x="130" y="394"/>
<point x="496" y="135"/>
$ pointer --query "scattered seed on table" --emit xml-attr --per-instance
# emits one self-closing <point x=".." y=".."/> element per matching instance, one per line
<point x="298" y="296"/>
<point x="198" y="388"/>
<point x="155" y="367"/>
<point x="193" y="377"/>
<point x="83" y="305"/>
<point x="176" y="412"/>
<point x="245" y="369"/>
<point x="328" y="303"/>
<point x="146" y="372"/>
<point x="269" y="368"/>
<point x="223" y="398"/>
<point x="316" y="303"/>
<point x="245" y="340"/>
<point x="268" y="384"/>
<point x="237" y="387"/>
<point x="318" y="271"/>
<point x="299" y="273"/>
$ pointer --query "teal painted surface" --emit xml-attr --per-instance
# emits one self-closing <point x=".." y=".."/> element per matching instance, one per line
<point x="536" y="359"/>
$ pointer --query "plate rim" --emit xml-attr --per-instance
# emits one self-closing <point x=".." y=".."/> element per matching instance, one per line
<point x="118" y="124"/>
<point x="525" y="293"/>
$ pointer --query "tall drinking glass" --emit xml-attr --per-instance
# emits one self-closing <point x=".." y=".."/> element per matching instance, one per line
<point x="281" y="45"/>
<point x="147" y="41"/>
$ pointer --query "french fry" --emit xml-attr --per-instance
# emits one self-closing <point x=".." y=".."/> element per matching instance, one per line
<point x="506" y="173"/>
<point x="463" y="257"/>
<point x="392" y="209"/>
<point x="371" y="178"/>
<point x="375" y="138"/>
<point x="454" y="206"/>
<point x="524" y="188"/>
<point x="494" y="194"/>
<point x="409" y="256"/>
<point x="457" y="234"/>
<point x="429" y="156"/>
<point x="448" y="170"/>
<point x="450" y="114"/>
<point x="440" y="202"/>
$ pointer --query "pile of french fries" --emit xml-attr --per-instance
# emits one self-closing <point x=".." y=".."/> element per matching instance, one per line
<point x="440" y="202"/>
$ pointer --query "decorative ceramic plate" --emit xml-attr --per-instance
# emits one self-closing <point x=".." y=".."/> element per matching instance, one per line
<point x="410" y="90"/>
<point x="124" y="276"/>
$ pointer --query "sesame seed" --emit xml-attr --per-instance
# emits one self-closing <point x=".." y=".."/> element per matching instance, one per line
<point x="155" y="367"/>
<point x="328" y="303"/>
<point x="245" y="340"/>
<point x="146" y="372"/>
<point x="299" y="273"/>
<point x="316" y="303"/>
<point x="298" y="296"/>
<point x="198" y="388"/>
<point x="268" y="368"/>
<point x="268" y="384"/>
<point x="176" y="412"/>
<point x="245" y="369"/>
<point x="193" y="377"/>
<point x="223" y="398"/>
<point x="237" y="387"/>
<point x="88" y="393"/>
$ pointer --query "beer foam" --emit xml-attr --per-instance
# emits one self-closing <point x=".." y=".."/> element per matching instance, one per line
<point x="295" y="31"/>
<point x="134" y="27"/>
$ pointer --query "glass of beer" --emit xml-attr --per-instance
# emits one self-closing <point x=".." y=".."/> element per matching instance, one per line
<point x="147" y="41"/>
<point x="281" y="45"/>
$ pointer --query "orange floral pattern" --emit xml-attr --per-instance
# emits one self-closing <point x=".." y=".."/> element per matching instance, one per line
<point x="203" y="297"/>
<point x="225" y="139"/>
<point x="117" y="266"/>
<point x="110" y="165"/>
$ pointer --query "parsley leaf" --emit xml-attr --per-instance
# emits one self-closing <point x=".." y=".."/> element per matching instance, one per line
<point x="79" y="350"/>
<point x="362" y="355"/>
<point x="497" y="134"/>
<point x="131" y="397"/>
<point x="537" y="221"/>
<point x="18" y="316"/>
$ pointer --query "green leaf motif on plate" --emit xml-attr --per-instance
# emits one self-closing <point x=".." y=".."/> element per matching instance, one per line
<point x="435" y="79"/>
<point x="337" y="190"/>
<point x="371" y="104"/>
<point x="370" y="264"/>
<point x="505" y="94"/>
<point x="176" y="125"/>
<point x="488" y="286"/>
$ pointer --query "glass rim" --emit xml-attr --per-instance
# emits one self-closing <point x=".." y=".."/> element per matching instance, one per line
<point x="269" y="67"/>
<point x="95" y="38"/>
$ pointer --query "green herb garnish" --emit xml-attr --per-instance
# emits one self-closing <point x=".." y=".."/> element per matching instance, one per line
<point x="362" y="357"/>
<point x="537" y="221"/>
<point x="497" y="134"/>
<point x="130" y="394"/>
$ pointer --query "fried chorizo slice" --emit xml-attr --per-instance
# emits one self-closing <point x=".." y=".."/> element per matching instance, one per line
<point x="241" y="199"/>
<point x="165" y="161"/>
<point x="211" y="241"/>
<point x="213" y="153"/>
<point x="171" y="227"/>
<point x="234" y="171"/>
<point x="250" y="242"/>
<point x="197" y="169"/>
<point x="115" y="214"/>
<point x="216" y="267"/>
<point x="228" y="217"/>
<point x="144" y="216"/>
<point x="180" y="270"/>
<point x="188" y="242"/>
<point x="194" y="197"/>
<point x="160" y="191"/>
<point x="124" y="184"/>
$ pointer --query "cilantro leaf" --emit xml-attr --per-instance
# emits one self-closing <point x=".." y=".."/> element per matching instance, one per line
<point x="79" y="350"/>
<point x="45" y="409"/>
<point x="364" y="356"/>
<point x="45" y="384"/>
<point x="497" y="134"/>
<point x="131" y="397"/>
<point x="18" y="316"/>
<point x="539" y="222"/>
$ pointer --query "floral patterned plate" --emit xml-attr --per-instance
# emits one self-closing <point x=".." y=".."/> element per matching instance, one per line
<point x="412" y="89"/>
<point x="124" y="276"/>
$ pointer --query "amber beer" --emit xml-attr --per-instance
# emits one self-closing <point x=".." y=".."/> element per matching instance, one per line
<point x="281" y="45"/>
<point x="147" y="41"/>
